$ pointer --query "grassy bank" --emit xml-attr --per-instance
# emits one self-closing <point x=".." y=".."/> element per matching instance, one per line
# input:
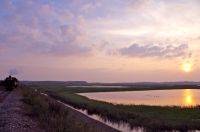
<point x="51" y="115"/>
<point x="151" y="118"/>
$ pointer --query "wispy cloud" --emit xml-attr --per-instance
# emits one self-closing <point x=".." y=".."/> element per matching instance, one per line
<point x="66" y="13"/>
<point x="169" y="51"/>
<point x="87" y="7"/>
<point x="138" y="5"/>
<point x="90" y="6"/>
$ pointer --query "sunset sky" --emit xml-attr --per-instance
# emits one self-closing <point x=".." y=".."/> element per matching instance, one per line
<point x="100" y="40"/>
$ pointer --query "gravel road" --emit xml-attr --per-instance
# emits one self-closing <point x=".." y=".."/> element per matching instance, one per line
<point x="14" y="119"/>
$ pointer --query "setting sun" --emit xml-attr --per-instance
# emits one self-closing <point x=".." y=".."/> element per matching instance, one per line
<point x="187" y="69"/>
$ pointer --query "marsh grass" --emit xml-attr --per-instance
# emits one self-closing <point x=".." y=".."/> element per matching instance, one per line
<point x="150" y="118"/>
<point x="51" y="115"/>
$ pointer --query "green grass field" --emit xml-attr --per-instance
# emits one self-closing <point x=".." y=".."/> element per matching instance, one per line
<point x="151" y="118"/>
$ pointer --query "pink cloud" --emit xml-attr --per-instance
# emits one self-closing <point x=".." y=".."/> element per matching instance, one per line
<point x="81" y="20"/>
<point x="45" y="9"/>
<point x="66" y="13"/>
<point x="138" y="5"/>
<point x="12" y="18"/>
<point x="87" y="7"/>
<point x="169" y="51"/>
<point x="71" y="30"/>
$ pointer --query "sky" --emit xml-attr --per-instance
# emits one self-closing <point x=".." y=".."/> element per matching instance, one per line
<point x="100" y="40"/>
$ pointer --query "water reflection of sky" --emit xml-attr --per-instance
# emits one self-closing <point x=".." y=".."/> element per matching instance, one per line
<point x="181" y="97"/>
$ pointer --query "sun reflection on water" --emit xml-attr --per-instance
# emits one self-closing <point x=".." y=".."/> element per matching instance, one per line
<point x="188" y="98"/>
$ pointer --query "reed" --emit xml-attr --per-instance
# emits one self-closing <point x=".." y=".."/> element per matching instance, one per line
<point x="151" y="118"/>
<point x="51" y="115"/>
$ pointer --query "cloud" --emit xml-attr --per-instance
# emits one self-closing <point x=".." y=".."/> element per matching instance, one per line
<point x="90" y="6"/>
<point x="98" y="4"/>
<point x="14" y="71"/>
<point x="42" y="31"/>
<point x="169" y="51"/>
<point x="66" y="13"/>
<point x="69" y="49"/>
<point x="189" y="55"/>
<point x="87" y="7"/>
<point x="77" y="2"/>
<point x="138" y="5"/>
<point x="72" y="32"/>
<point x="81" y="20"/>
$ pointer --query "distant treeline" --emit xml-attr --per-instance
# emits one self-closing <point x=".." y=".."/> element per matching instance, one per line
<point x="146" y="83"/>
<point x="107" y="84"/>
<point x="164" y="83"/>
<point x="54" y="82"/>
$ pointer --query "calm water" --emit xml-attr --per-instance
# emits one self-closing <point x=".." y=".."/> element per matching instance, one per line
<point x="181" y="97"/>
<point x="97" y="86"/>
<point x="123" y="127"/>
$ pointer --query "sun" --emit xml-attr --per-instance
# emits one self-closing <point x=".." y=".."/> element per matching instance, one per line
<point x="187" y="69"/>
<point x="187" y="66"/>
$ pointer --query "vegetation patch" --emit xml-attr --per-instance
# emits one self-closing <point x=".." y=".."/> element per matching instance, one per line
<point x="1" y="88"/>
<point x="1" y="85"/>
<point x="151" y="118"/>
<point x="51" y="115"/>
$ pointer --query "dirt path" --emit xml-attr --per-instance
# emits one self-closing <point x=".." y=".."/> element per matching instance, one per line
<point x="13" y="118"/>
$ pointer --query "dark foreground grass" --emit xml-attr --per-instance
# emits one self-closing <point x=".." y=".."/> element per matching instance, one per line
<point x="1" y="88"/>
<point x="1" y="85"/>
<point x="51" y="115"/>
<point x="151" y="118"/>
